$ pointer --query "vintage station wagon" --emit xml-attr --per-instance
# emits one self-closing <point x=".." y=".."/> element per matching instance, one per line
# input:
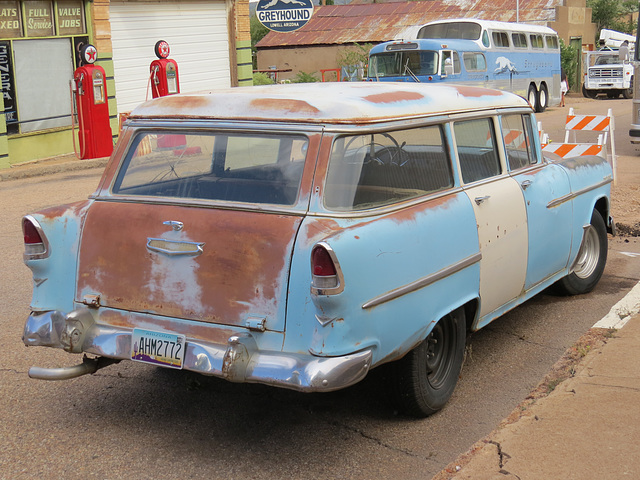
<point x="301" y="235"/>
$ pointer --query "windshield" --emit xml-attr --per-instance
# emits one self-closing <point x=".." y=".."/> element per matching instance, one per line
<point x="608" y="60"/>
<point x="237" y="167"/>
<point x="393" y="64"/>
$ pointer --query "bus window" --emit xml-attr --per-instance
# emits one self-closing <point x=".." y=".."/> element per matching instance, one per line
<point x="475" y="141"/>
<point x="519" y="40"/>
<point x="450" y="63"/>
<point x="474" y="62"/>
<point x="536" y="41"/>
<point x="461" y="30"/>
<point x="552" y="42"/>
<point x="485" y="39"/>
<point x="500" y="39"/>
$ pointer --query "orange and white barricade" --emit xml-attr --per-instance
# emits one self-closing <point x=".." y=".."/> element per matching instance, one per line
<point x="604" y="145"/>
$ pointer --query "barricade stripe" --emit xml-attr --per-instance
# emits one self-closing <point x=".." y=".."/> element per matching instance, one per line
<point x="584" y="122"/>
<point x="593" y="150"/>
<point x="564" y="149"/>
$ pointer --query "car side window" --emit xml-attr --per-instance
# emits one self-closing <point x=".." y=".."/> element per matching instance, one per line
<point x="517" y="134"/>
<point x="477" y="152"/>
<point x="376" y="169"/>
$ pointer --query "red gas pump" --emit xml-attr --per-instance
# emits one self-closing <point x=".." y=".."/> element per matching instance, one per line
<point x="90" y="87"/>
<point x="164" y="72"/>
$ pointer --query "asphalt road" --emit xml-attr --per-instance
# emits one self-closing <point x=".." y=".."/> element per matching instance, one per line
<point x="130" y="420"/>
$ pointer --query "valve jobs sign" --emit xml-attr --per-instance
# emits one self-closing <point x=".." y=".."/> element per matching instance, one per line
<point x="284" y="15"/>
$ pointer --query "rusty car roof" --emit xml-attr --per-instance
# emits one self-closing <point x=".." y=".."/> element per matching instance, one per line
<point x="339" y="103"/>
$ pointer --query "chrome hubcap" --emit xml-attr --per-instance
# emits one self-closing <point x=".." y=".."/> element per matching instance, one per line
<point x="588" y="255"/>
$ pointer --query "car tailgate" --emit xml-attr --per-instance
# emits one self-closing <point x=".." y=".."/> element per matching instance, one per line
<point x="220" y="266"/>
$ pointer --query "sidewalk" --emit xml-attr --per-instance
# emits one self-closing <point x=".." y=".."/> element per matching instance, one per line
<point x="588" y="427"/>
<point x="48" y="166"/>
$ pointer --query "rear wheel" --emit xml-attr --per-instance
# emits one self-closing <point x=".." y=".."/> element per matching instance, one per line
<point x="543" y="99"/>
<point x="532" y="97"/>
<point x="591" y="259"/>
<point x="426" y="377"/>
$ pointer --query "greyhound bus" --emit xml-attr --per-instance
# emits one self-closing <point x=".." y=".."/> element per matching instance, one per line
<point x="523" y="59"/>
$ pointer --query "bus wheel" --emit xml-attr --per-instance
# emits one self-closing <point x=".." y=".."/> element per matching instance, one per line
<point x="532" y="97"/>
<point x="543" y="99"/>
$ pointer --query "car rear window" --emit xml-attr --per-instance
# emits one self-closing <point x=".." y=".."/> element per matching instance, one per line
<point x="252" y="168"/>
<point x="376" y="169"/>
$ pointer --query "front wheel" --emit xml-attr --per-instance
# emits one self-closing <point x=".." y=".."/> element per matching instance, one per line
<point x="590" y="261"/>
<point x="589" y="93"/>
<point x="426" y="376"/>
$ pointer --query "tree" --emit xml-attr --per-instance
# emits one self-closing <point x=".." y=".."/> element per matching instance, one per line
<point x="354" y="58"/>
<point x="258" y="31"/>
<point x="610" y="14"/>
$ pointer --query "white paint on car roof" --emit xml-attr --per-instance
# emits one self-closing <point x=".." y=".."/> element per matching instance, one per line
<point x="340" y="103"/>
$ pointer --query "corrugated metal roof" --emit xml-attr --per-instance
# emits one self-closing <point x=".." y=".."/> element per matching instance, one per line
<point x="380" y="22"/>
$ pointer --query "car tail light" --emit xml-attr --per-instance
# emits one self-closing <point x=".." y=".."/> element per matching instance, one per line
<point x="325" y="270"/>
<point x="35" y="241"/>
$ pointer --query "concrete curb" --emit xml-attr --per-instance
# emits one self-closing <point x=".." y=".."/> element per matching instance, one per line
<point x="47" y="168"/>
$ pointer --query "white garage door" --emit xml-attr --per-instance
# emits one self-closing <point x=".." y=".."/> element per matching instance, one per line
<point x="197" y="33"/>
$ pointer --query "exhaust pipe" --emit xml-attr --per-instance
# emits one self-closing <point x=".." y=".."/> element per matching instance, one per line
<point x="88" y="365"/>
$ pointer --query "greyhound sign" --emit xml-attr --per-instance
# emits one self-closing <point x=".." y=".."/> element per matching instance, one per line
<point x="284" y="15"/>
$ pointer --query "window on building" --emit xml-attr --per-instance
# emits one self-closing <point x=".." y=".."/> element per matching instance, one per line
<point x="38" y="41"/>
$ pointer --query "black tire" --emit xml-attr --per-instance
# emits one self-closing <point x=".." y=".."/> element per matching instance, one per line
<point x="543" y="99"/>
<point x="425" y="377"/>
<point x="532" y="97"/>
<point x="590" y="261"/>
<point x="628" y="92"/>
<point x="589" y="93"/>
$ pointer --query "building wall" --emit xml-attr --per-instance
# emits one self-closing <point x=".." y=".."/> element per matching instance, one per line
<point x="17" y="146"/>
<point x="301" y="59"/>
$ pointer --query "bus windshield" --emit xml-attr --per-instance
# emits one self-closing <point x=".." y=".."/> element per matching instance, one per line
<point x="451" y="30"/>
<point x="424" y="62"/>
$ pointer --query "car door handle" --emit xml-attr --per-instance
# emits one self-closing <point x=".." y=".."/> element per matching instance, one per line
<point x="479" y="200"/>
<point x="526" y="184"/>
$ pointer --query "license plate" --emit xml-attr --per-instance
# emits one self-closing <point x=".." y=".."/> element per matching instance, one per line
<point x="157" y="348"/>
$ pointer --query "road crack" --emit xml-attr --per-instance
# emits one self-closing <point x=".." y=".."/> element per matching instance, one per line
<point x="12" y="370"/>
<point x="380" y="442"/>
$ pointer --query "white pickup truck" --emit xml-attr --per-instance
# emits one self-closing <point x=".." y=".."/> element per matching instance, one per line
<point x="607" y="74"/>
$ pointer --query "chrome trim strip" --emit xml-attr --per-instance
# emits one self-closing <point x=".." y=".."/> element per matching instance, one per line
<point x="171" y="247"/>
<point x="571" y="196"/>
<point x="423" y="282"/>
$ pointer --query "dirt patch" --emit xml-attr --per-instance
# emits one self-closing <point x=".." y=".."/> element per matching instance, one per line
<point x="625" y="208"/>
<point x="568" y="366"/>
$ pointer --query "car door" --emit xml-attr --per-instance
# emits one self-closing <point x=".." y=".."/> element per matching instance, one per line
<point x="500" y="214"/>
<point x="541" y="183"/>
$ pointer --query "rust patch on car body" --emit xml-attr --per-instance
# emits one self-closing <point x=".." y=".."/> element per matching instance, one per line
<point x="477" y="91"/>
<point x="285" y="105"/>
<point x="394" y="97"/>
<point x="242" y="271"/>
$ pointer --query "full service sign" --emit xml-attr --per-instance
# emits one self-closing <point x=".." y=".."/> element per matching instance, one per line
<point x="284" y="15"/>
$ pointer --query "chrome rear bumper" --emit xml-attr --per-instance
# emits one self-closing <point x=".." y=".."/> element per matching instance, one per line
<point x="240" y="360"/>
